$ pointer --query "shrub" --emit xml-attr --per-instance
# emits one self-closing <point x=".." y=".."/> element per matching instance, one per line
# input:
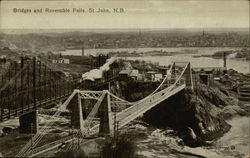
<point x="124" y="148"/>
<point x="71" y="153"/>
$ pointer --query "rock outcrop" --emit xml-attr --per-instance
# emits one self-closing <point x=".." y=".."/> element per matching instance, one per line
<point x="195" y="117"/>
<point x="198" y="115"/>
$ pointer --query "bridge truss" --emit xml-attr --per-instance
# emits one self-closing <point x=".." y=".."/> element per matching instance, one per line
<point x="178" y="78"/>
<point x="36" y="82"/>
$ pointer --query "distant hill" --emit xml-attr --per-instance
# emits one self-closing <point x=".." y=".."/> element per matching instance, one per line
<point x="49" y="40"/>
<point x="114" y="31"/>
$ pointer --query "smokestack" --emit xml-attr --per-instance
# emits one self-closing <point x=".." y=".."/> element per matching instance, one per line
<point x="82" y="51"/>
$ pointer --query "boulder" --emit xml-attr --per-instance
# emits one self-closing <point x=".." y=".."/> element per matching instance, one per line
<point x="191" y="134"/>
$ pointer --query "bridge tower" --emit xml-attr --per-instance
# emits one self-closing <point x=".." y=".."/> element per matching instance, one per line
<point x="77" y="119"/>
<point x="28" y="122"/>
<point x="105" y="116"/>
<point x="188" y="76"/>
<point x="80" y="111"/>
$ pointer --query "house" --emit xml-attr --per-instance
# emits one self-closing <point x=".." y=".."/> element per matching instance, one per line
<point x="150" y="75"/>
<point x="154" y="76"/>
<point x="125" y="73"/>
<point x="163" y="70"/>
<point x="206" y="79"/>
<point x="3" y="58"/>
<point x="136" y="75"/>
<point x="61" y="60"/>
<point x="158" y="77"/>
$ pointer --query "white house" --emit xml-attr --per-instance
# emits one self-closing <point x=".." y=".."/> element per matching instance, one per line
<point x="158" y="77"/>
<point x="3" y="56"/>
<point x="154" y="76"/>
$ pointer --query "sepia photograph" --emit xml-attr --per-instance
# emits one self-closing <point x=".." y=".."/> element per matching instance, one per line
<point x="125" y="79"/>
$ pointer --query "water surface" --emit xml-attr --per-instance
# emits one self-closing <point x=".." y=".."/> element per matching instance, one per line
<point x="187" y="53"/>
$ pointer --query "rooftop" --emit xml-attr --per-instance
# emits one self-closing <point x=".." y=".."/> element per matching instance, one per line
<point x="125" y="72"/>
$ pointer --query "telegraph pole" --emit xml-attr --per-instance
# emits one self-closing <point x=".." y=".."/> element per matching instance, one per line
<point x="31" y="131"/>
<point x="115" y="124"/>
<point x="78" y="141"/>
<point x="22" y="76"/>
<point x="117" y="131"/>
<point x="15" y="91"/>
<point x="34" y="82"/>
<point x="72" y="135"/>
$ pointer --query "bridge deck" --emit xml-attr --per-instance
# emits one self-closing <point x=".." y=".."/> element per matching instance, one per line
<point x="138" y="109"/>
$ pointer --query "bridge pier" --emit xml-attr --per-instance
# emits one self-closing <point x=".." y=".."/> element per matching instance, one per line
<point x="74" y="112"/>
<point x="29" y="122"/>
<point x="173" y="70"/>
<point x="105" y="117"/>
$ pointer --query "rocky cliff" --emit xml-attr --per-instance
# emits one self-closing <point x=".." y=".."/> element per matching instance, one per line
<point x="197" y="115"/>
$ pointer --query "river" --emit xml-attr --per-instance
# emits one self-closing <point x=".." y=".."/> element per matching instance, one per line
<point x="187" y="54"/>
<point x="238" y="138"/>
<point x="234" y="144"/>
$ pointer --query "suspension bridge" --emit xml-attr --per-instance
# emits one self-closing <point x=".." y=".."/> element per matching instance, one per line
<point x="104" y="119"/>
<point x="36" y="83"/>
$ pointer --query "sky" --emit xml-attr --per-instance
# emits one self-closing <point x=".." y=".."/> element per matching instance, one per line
<point x="148" y="14"/>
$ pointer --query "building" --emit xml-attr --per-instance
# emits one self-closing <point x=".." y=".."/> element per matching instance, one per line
<point x="136" y="75"/>
<point x="158" y="77"/>
<point x="153" y="76"/>
<point x="82" y="51"/>
<point x="125" y="73"/>
<point x="208" y="70"/>
<point x="61" y="61"/>
<point x="206" y="79"/>
<point x="163" y="70"/>
<point x="3" y="56"/>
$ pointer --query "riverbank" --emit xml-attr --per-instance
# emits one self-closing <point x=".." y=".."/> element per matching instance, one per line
<point x="225" y="131"/>
<point x="158" y="143"/>
<point x="242" y="54"/>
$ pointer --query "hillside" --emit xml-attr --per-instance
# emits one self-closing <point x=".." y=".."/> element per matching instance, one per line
<point x="59" y="40"/>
